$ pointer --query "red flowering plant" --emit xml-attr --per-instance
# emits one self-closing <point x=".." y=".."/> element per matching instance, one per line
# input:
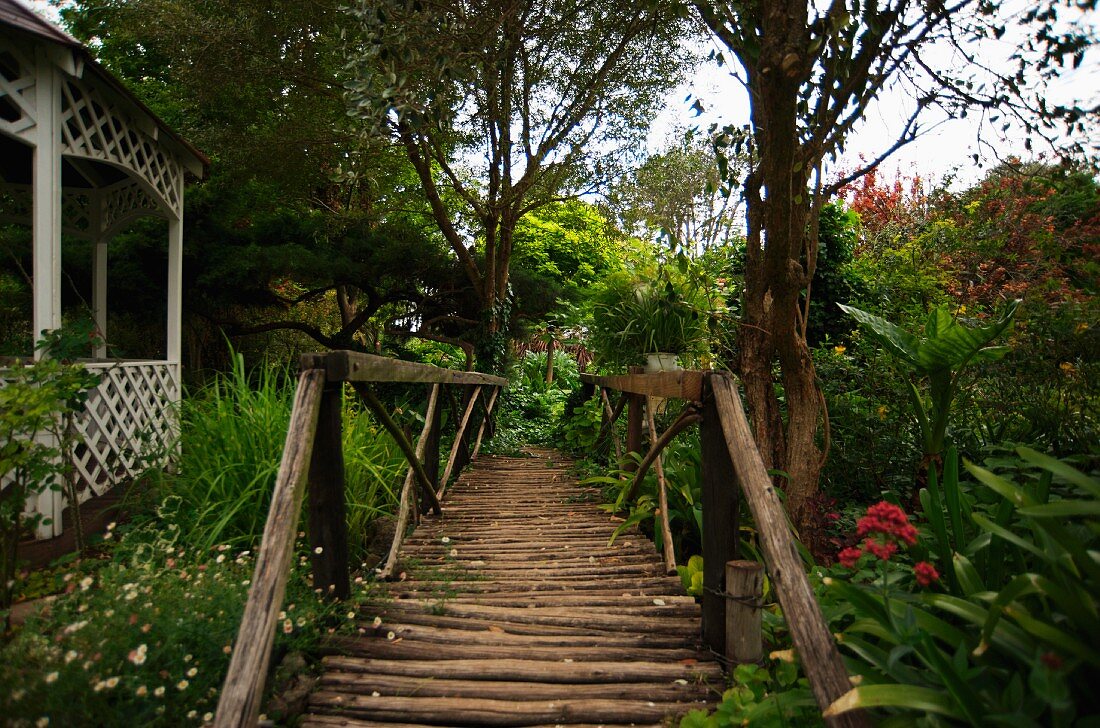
<point x="884" y="529"/>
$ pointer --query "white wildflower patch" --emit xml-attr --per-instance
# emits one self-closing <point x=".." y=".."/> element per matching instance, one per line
<point x="137" y="655"/>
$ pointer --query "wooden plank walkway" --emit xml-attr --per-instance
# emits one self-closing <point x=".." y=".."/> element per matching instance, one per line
<point x="514" y="611"/>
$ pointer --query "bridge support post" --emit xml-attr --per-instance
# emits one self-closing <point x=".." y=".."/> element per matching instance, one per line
<point x="720" y="520"/>
<point x="328" y="527"/>
<point x="431" y="446"/>
<point x="634" y="419"/>
<point x="744" y="592"/>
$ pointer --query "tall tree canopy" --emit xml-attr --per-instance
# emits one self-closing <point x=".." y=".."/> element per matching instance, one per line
<point x="503" y="107"/>
<point x="812" y="71"/>
<point x="680" y="194"/>
<point x="296" y="191"/>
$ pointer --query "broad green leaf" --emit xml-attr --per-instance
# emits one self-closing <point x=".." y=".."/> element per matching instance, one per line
<point x="966" y="699"/>
<point x="1008" y="535"/>
<point x="1062" y="509"/>
<point x="969" y="579"/>
<point x="1063" y="470"/>
<point x="1005" y="488"/>
<point x="1006" y="636"/>
<point x="897" y="341"/>
<point x="912" y="697"/>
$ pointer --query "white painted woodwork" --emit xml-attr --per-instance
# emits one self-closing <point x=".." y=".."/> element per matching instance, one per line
<point x="99" y="295"/>
<point x="47" y="200"/>
<point x="175" y="288"/>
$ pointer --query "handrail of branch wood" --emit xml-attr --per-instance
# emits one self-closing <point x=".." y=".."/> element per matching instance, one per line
<point x="485" y="422"/>
<point x="811" y="636"/>
<point x="458" y="441"/>
<point x="239" y="704"/>
<point x="353" y="366"/>
<point x="612" y="414"/>
<point x="406" y="506"/>
<point x="426" y="487"/>
<point x="662" y="492"/>
<point x="685" y="384"/>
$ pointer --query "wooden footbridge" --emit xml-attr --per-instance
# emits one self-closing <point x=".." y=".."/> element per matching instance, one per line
<point x="513" y="610"/>
<point x="505" y="603"/>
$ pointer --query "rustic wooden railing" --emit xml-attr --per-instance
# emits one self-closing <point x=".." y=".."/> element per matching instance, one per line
<point x="730" y="459"/>
<point x="313" y="461"/>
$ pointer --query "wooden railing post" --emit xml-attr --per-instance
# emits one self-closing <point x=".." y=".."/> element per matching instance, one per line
<point x="720" y="515"/>
<point x="460" y="451"/>
<point x="634" y="420"/>
<point x="328" y="527"/>
<point x="744" y="592"/>
<point x="485" y="421"/>
<point x="817" y="650"/>
<point x="434" y="414"/>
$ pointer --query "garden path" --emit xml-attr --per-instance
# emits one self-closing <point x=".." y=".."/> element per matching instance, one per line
<point x="515" y="611"/>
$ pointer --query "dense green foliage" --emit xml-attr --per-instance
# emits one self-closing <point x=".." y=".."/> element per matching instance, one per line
<point x="233" y="431"/>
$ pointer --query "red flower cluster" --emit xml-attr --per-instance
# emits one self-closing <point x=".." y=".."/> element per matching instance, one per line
<point x="884" y="528"/>
<point x="849" y="556"/>
<point x="925" y="573"/>
<point x="890" y="521"/>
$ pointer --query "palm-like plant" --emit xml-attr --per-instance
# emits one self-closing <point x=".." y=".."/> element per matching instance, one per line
<point x="941" y="355"/>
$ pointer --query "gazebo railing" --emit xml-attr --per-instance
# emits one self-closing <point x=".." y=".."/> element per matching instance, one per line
<point x="128" y="426"/>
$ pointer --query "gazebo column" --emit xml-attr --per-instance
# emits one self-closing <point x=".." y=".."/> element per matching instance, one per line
<point x="99" y="295"/>
<point x="174" y="343"/>
<point x="96" y="202"/>
<point x="47" y="198"/>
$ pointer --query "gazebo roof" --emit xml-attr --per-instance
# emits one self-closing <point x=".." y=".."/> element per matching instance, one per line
<point x="16" y="16"/>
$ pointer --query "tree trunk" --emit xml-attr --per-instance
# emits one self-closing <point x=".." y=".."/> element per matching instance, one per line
<point x="551" y="345"/>
<point x="775" y="269"/>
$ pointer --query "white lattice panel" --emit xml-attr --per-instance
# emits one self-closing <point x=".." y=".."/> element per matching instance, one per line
<point x="124" y="203"/>
<point x="128" y="424"/>
<point x="76" y="213"/>
<point x="91" y="127"/>
<point x="17" y="110"/>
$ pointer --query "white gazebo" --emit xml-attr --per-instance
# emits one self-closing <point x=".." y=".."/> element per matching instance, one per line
<point x="81" y="158"/>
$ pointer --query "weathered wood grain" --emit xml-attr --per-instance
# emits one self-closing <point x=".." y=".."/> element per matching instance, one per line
<point x="686" y="419"/>
<point x="427" y="489"/>
<point x="514" y="609"/>
<point x="686" y="384"/>
<point x="405" y="507"/>
<point x="353" y="366"/>
<point x="662" y="491"/>
<point x="239" y="704"/>
<point x="485" y="422"/>
<point x="328" y="526"/>
<point x="744" y="593"/>
<point x="458" y="441"/>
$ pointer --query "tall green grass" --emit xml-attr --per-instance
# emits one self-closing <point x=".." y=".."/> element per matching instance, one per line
<point x="232" y="436"/>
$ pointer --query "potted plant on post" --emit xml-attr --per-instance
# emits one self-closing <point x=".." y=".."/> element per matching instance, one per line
<point x="658" y="317"/>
